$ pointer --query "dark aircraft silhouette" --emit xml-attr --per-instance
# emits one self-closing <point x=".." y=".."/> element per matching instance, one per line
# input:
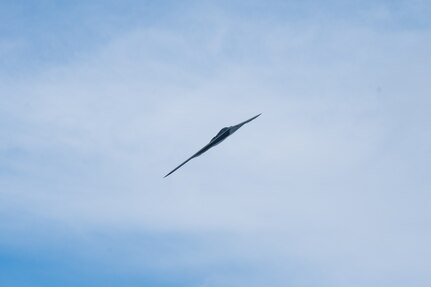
<point x="221" y="136"/>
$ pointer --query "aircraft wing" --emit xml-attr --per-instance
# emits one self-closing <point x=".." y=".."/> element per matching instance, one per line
<point x="201" y="151"/>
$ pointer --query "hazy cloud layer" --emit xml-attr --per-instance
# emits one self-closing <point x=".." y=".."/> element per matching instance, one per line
<point x="329" y="187"/>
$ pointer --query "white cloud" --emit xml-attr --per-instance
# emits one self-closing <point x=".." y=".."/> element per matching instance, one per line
<point x="328" y="182"/>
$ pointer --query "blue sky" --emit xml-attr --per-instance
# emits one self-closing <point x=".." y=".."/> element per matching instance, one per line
<point x="329" y="187"/>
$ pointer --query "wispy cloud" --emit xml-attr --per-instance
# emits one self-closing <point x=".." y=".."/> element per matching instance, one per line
<point x="327" y="188"/>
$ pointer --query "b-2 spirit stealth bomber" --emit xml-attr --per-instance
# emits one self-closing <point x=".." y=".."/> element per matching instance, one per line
<point x="221" y="136"/>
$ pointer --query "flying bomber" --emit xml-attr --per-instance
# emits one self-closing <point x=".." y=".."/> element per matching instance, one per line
<point x="221" y="136"/>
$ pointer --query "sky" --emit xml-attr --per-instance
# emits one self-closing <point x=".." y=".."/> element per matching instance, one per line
<point x="329" y="187"/>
